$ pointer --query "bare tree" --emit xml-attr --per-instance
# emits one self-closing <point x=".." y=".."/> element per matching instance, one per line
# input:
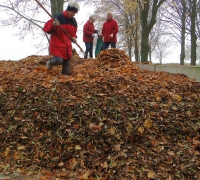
<point x="160" y="29"/>
<point x="148" y="13"/>
<point x="183" y="21"/>
<point x="163" y="47"/>
<point x="193" y="16"/>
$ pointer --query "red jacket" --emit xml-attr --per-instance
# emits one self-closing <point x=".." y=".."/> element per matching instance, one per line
<point x="110" y="27"/>
<point x="60" y="44"/>
<point x="88" y="30"/>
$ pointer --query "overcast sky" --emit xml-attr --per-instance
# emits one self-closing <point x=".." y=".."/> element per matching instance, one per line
<point x="12" y="48"/>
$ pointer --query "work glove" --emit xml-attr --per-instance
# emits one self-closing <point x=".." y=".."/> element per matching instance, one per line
<point x="93" y="35"/>
<point x="74" y="40"/>
<point x="56" y="23"/>
<point x="111" y="35"/>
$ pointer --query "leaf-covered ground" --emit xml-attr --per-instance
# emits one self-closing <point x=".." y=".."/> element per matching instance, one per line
<point x="108" y="120"/>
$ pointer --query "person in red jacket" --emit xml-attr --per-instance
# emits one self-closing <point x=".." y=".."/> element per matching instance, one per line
<point x="88" y="36"/>
<point x="60" y="44"/>
<point x="109" y="32"/>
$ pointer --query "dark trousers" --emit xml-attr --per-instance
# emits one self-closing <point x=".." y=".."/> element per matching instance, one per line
<point x="89" y="49"/>
<point x="66" y="67"/>
<point x="107" y="44"/>
<point x="60" y="61"/>
<point x="56" y="60"/>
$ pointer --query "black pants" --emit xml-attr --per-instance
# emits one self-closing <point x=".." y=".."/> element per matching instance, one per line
<point x="107" y="44"/>
<point x="60" y="61"/>
<point x="66" y="67"/>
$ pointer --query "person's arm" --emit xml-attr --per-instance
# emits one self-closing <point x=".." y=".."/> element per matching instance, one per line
<point x="103" y="31"/>
<point x="87" y="31"/>
<point x="115" y="30"/>
<point x="48" y="26"/>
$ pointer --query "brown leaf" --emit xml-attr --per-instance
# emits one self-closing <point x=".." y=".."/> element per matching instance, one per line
<point x="84" y="176"/>
<point x="7" y="151"/>
<point x="21" y="147"/>
<point x="92" y="126"/>
<point x="129" y="127"/>
<point x="70" y="114"/>
<point x="16" y="155"/>
<point x="77" y="147"/>
<point x="1" y="89"/>
<point x="148" y="123"/>
<point x="112" y="130"/>
<point x="61" y="164"/>
<point x="171" y="153"/>
<point x="141" y="130"/>
<point x="104" y="165"/>
<point x="151" y="175"/>
<point x="178" y="98"/>
<point x="189" y="113"/>
<point x="79" y="77"/>
<point x="154" y="142"/>
<point x="117" y="147"/>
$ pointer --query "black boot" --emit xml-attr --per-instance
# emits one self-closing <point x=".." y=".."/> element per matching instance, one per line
<point x="85" y="56"/>
<point x="65" y="67"/>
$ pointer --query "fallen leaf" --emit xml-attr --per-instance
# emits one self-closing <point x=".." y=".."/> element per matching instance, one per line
<point x="7" y="151"/>
<point x="178" y="98"/>
<point x="16" y="155"/>
<point x="104" y="165"/>
<point x="151" y="175"/>
<point x="84" y="176"/>
<point x="117" y="147"/>
<point x="171" y="153"/>
<point x="61" y="164"/>
<point x="21" y="147"/>
<point x="141" y="130"/>
<point x="148" y="123"/>
<point x="78" y="147"/>
<point x="112" y="130"/>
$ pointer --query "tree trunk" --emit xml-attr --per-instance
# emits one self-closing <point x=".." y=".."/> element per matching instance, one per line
<point x="60" y="4"/>
<point x="193" y="34"/>
<point x="183" y="22"/>
<point x="161" y="58"/>
<point x="56" y="6"/>
<point x="130" y="49"/>
<point x="136" y="46"/>
<point x="145" y="48"/>
<point x="128" y="38"/>
<point x="146" y="27"/>
<point x="145" y="33"/>
<point x="150" y="53"/>
<point x="136" y="51"/>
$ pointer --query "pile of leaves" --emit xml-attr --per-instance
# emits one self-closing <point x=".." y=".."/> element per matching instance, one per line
<point x="108" y="120"/>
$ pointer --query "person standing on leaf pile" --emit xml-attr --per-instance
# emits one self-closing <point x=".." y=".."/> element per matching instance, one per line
<point x="88" y="36"/>
<point x="109" y="32"/>
<point x="60" y="45"/>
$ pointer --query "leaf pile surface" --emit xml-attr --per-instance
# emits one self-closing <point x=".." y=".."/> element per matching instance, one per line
<point x="108" y="120"/>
